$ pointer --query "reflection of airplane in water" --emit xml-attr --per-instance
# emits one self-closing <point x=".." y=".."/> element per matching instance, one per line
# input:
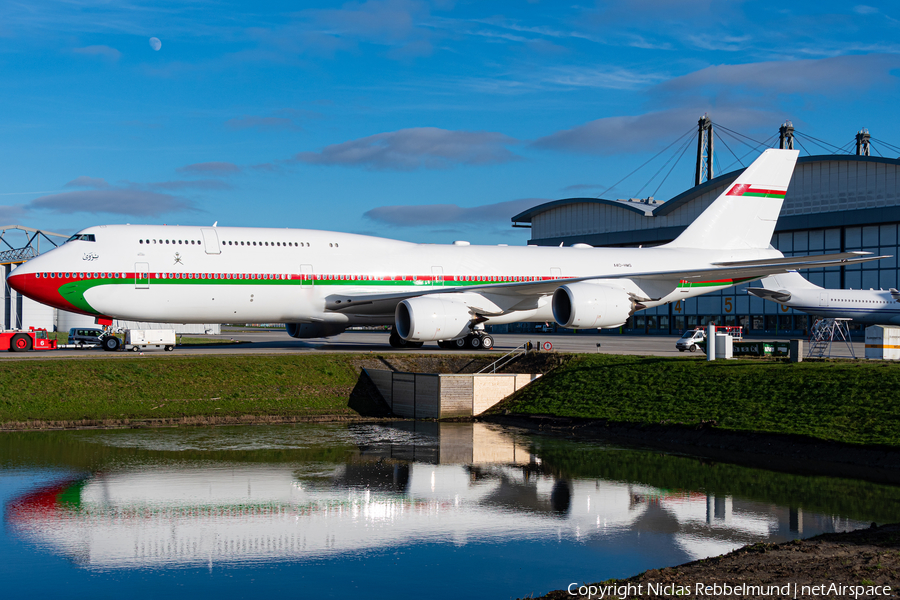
<point x="245" y="512"/>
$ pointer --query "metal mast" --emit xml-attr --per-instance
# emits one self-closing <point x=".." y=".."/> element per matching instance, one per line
<point x="704" y="150"/>
<point x="786" y="136"/>
<point x="862" y="142"/>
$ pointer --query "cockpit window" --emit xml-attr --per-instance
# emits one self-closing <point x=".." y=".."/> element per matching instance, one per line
<point x="84" y="237"/>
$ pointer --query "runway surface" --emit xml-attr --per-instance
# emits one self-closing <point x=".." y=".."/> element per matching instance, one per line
<point x="278" y="342"/>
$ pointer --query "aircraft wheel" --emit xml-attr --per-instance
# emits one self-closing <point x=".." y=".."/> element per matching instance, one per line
<point x="20" y="343"/>
<point x="446" y="344"/>
<point x="111" y="343"/>
<point x="414" y="344"/>
<point x="459" y="344"/>
<point x="487" y="342"/>
<point x="396" y="341"/>
<point x="473" y="342"/>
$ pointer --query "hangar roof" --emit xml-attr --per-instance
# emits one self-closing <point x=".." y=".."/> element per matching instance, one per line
<point x="823" y="187"/>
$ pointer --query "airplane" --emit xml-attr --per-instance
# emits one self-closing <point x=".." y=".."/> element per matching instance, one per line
<point x="873" y="307"/>
<point x="319" y="282"/>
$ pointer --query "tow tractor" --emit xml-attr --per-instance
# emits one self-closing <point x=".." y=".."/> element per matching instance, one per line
<point x="16" y="340"/>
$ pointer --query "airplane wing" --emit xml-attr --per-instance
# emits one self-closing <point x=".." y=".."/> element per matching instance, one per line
<point x="769" y="294"/>
<point x="745" y="270"/>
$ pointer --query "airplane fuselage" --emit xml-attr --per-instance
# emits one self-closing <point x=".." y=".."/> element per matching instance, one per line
<point x="238" y="274"/>
<point x="863" y="306"/>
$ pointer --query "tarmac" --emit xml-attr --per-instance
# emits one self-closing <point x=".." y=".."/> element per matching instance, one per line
<point x="276" y="341"/>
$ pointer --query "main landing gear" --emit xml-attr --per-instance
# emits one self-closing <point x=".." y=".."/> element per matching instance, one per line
<point x="477" y="340"/>
<point x="398" y="342"/>
<point x="473" y="341"/>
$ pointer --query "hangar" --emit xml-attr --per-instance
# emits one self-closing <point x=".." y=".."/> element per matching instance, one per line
<point x="835" y="202"/>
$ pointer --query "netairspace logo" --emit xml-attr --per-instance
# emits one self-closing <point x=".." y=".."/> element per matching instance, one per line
<point x="717" y="590"/>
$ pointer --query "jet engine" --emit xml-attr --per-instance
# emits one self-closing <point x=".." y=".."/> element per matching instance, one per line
<point x="589" y="305"/>
<point x="313" y="330"/>
<point x="426" y="318"/>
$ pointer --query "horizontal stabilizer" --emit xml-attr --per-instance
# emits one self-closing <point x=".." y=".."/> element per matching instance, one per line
<point x="777" y="296"/>
<point x="793" y="259"/>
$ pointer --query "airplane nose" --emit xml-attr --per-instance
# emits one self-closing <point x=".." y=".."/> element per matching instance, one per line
<point x="42" y="288"/>
<point x="17" y="282"/>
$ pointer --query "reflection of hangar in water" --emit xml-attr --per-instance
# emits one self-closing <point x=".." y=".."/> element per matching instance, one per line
<point x="835" y="203"/>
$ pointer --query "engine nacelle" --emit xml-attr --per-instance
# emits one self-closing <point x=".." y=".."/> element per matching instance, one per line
<point x="313" y="330"/>
<point x="589" y="305"/>
<point x="426" y="318"/>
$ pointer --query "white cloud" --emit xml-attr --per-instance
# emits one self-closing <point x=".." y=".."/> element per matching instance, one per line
<point x="88" y="182"/>
<point x="105" y="52"/>
<point x="826" y="75"/>
<point x="416" y="148"/>
<point x="428" y="215"/>
<point x="129" y="202"/>
<point x="194" y="184"/>
<point x="210" y="168"/>
<point x="613" y="135"/>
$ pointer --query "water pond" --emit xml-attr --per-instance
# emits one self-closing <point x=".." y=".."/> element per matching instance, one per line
<point x="437" y="510"/>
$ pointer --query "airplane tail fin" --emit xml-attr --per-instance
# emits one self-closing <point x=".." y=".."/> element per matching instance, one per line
<point x="790" y="281"/>
<point x="744" y="215"/>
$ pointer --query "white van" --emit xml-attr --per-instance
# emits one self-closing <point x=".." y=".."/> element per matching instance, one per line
<point x="85" y="336"/>
<point x="690" y="339"/>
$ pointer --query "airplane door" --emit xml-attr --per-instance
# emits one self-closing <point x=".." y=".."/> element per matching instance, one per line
<point x="437" y="274"/>
<point x="823" y="299"/>
<point x="141" y="276"/>
<point x="306" y="276"/>
<point x="211" y="241"/>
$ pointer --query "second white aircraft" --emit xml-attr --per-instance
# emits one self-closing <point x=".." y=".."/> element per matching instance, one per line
<point x="873" y="307"/>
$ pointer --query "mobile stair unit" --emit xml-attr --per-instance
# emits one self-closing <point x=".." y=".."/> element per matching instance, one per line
<point x="823" y="335"/>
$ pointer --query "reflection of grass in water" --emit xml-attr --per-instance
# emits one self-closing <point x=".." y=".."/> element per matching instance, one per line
<point x="77" y="450"/>
<point x="826" y="495"/>
<point x="843" y="401"/>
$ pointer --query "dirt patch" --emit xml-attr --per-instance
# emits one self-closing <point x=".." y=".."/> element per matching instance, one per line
<point x="776" y="452"/>
<point x="865" y="559"/>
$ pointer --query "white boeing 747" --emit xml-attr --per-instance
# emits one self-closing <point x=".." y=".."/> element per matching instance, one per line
<point x="319" y="283"/>
<point x="872" y="307"/>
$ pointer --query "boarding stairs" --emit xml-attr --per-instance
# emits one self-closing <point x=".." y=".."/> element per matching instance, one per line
<point x="507" y="358"/>
<point x="823" y="335"/>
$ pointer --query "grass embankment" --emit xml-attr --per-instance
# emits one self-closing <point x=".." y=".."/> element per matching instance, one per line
<point x="852" y="402"/>
<point x="175" y="387"/>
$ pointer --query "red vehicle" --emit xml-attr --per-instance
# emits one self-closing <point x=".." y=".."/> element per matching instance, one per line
<point x="24" y="341"/>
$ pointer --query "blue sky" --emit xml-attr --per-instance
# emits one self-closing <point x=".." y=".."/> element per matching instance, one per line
<point x="423" y="121"/>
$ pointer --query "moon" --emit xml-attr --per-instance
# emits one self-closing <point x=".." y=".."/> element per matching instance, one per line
<point x="155" y="44"/>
